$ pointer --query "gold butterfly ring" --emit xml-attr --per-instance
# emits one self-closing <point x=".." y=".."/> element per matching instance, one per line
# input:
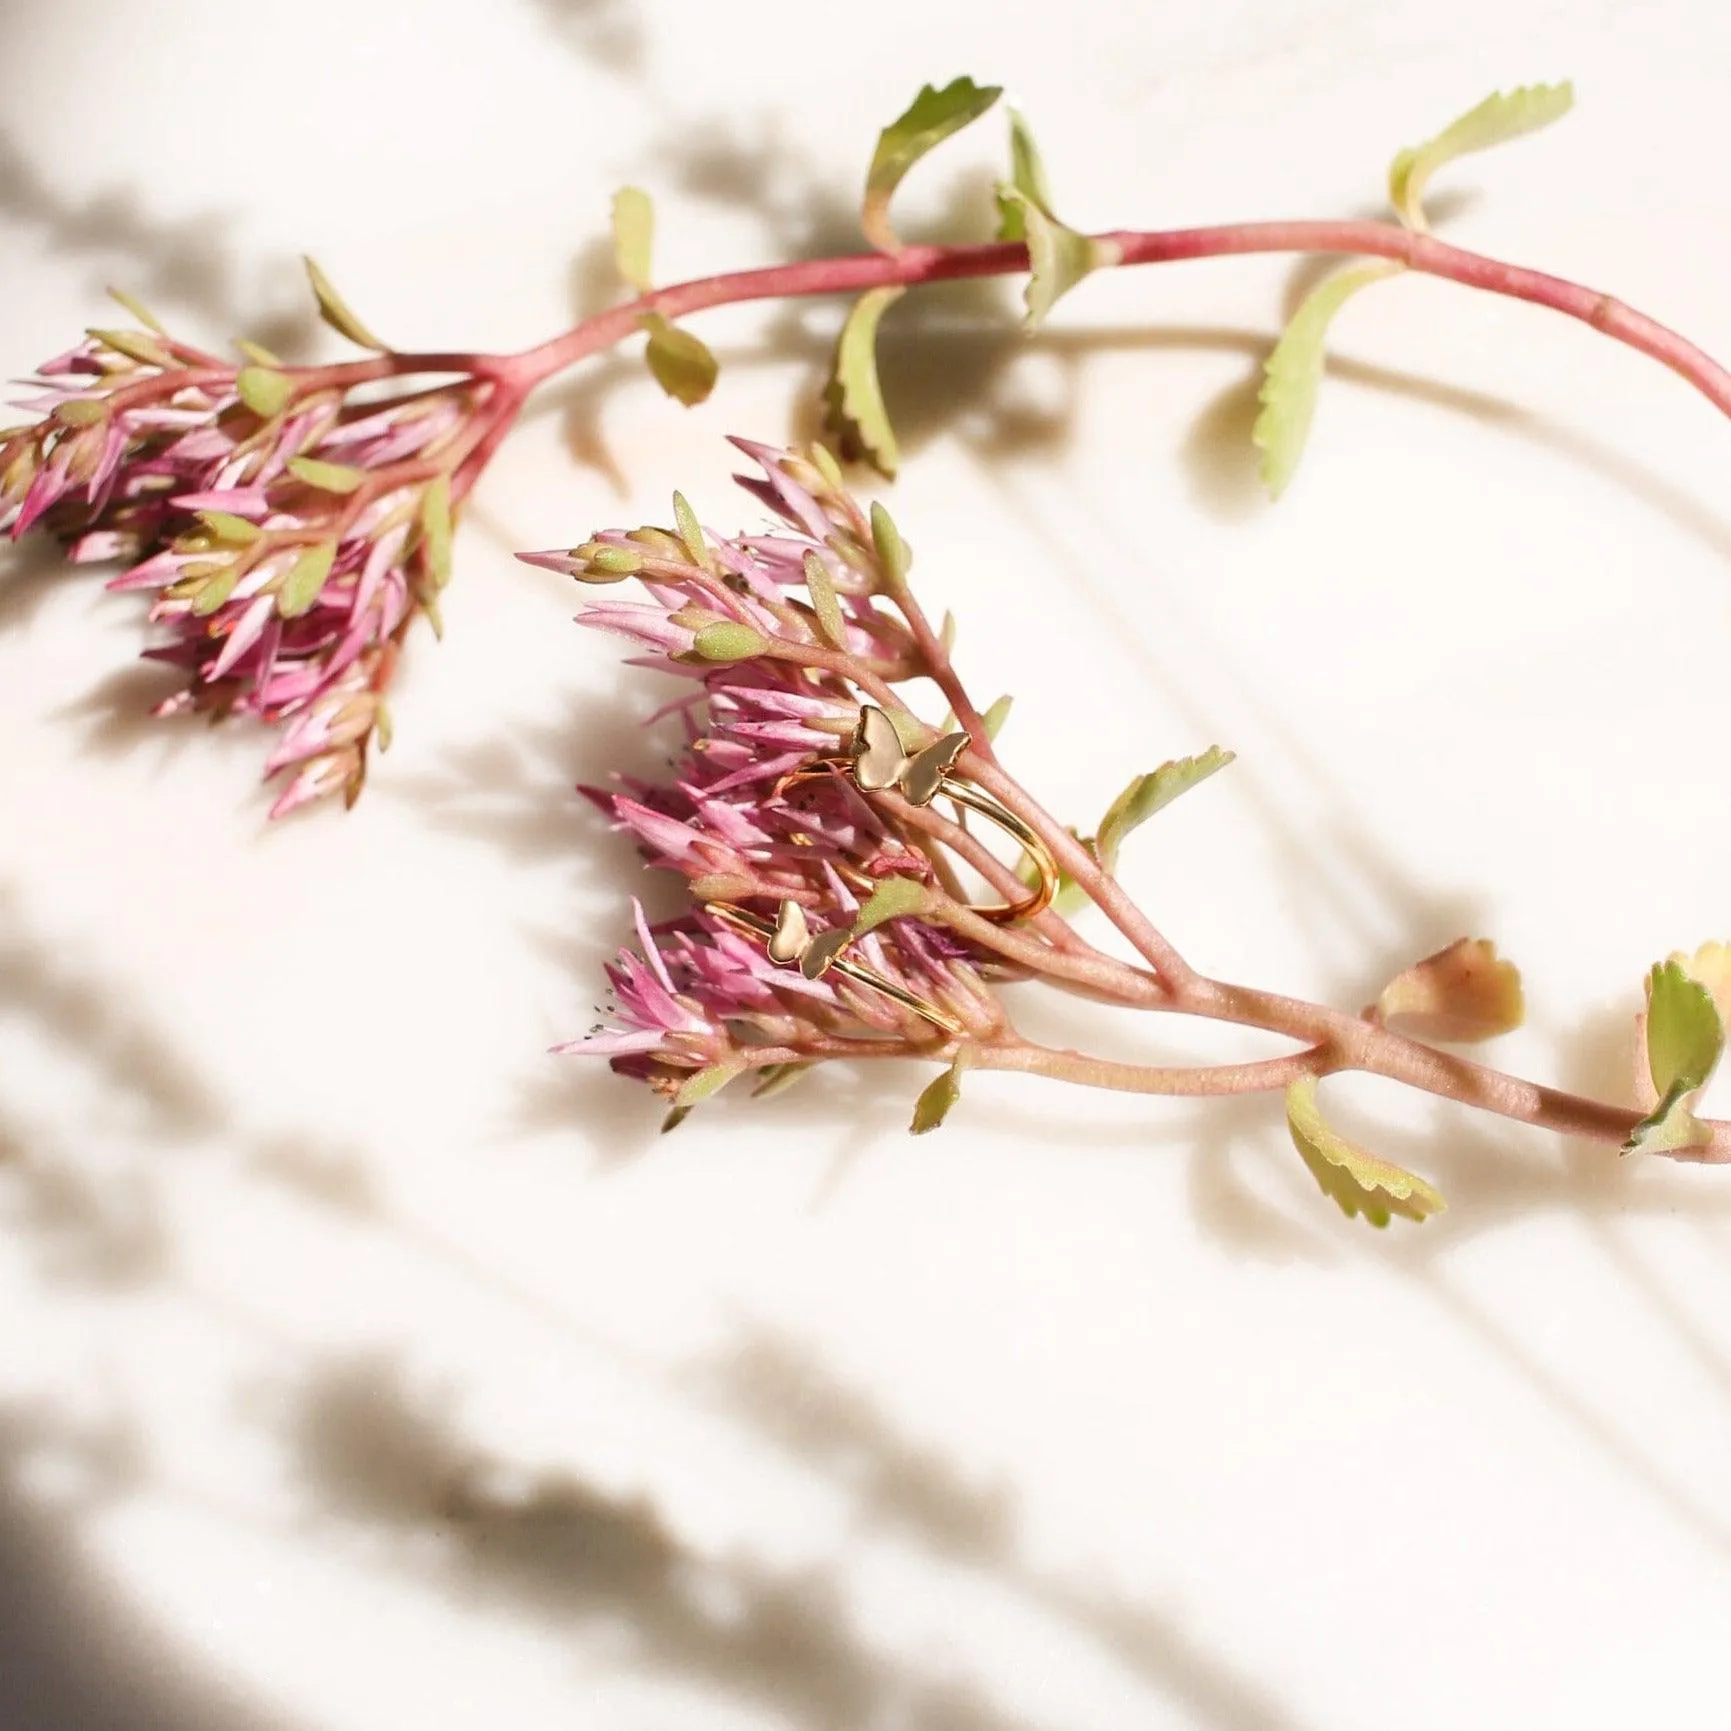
<point x="792" y="944"/>
<point x="876" y="763"/>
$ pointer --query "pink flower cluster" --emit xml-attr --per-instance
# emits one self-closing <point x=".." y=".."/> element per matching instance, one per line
<point x="288" y="534"/>
<point x="769" y="689"/>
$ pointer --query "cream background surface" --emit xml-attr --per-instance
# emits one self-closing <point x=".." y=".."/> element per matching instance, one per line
<point x="363" y="1367"/>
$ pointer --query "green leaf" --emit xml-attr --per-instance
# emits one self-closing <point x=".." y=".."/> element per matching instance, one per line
<point x="675" y="1118"/>
<point x="81" y="412"/>
<point x="306" y="577"/>
<point x="225" y="526"/>
<point x="824" y="601"/>
<point x="682" y="364"/>
<point x="264" y="390"/>
<point x="216" y="590"/>
<point x="936" y="1099"/>
<point x="776" y="1079"/>
<point x="384" y="729"/>
<point x="705" y="1083"/>
<point x="436" y="530"/>
<point x="257" y="353"/>
<point x="1500" y="117"/>
<point x="996" y="716"/>
<point x="729" y="641"/>
<point x="893" y="899"/>
<point x="135" y="345"/>
<point x="1148" y="794"/>
<point x="1684" y="1033"/>
<point x="1669" y="1127"/>
<point x="605" y="563"/>
<point x="1465" y="992"/>
<point x="1027" y="177"/>
<point x="930" y="118"/>
<point x="1058" y="257"/>
<point x="895" y="559"/>
<point x="336" y="312"/>
<point x="1359" y="1182"/>
<point x="823" y="460"/>
<point x="327" y="477"/>
<point x="1293" y="372"/>
<point x="138" y="310"/>
<point x="633" y="235"/>
<point x="691" y="533"/>
<point x="854" y="412"/>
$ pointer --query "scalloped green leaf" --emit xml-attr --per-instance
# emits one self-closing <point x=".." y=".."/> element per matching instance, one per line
<point x="854" y="412"/>
<point x="1684" y="1033"/>
<point x="336" y="312"/>
<point x="681" y="364"/>
<point x="1292" y="373"/>
<point x="1058" y="257"/>
<point x="936" y="1099"/>
<point x="264" y="390"/>
<point x="893" y="899"/>
<point x="634" y="235"/>
<point x="1150" y="793"/>
<point x="929" y="119"/>
<point x="1358" y="1181"/>
<point x="824" y="601"/>
<point x="327" y="477"/>
<point x="1502" y="116"/>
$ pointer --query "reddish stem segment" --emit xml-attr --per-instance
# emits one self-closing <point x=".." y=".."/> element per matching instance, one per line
<point x="1333" y="1040"/>
<point x="923" y="264"/>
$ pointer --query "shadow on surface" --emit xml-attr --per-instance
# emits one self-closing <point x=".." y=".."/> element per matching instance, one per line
<point x="377" y="1461"/>
<point x="185" y="262"/>
<point x="76" y="1654"/>
<point x="381" y="1465"/>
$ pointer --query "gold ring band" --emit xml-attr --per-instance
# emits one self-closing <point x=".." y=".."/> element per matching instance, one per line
<point x="876" y="764"/>
<point x="754" y="925"/>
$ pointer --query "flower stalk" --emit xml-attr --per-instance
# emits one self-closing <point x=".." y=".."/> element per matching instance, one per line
<point x="291" y="523"/>
<point x="698" y="1006"/>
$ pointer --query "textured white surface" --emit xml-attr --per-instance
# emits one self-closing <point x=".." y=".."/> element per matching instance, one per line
<point x="365" y="1368"/>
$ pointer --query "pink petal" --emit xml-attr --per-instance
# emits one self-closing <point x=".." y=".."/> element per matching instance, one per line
<point x="244" y="635"/>
<point x="241" y="501"/>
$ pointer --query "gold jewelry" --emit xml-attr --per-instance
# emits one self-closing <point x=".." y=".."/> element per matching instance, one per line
<point x="876" y="763"/>
<point x="791" y="943"/>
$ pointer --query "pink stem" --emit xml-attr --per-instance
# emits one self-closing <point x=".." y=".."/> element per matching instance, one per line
<point x="922" y="264"/>
<point x="1194" y="1080"/>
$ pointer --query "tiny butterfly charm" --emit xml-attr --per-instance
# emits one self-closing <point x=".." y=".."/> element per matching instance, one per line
<point x="880" y="764"/>
<point x="793" y="942"/>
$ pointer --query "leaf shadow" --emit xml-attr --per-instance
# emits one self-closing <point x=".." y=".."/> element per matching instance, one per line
<point x="186" y="262"/>
<point x="378" y="1461"/>
<point x="76" y="1650"/>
